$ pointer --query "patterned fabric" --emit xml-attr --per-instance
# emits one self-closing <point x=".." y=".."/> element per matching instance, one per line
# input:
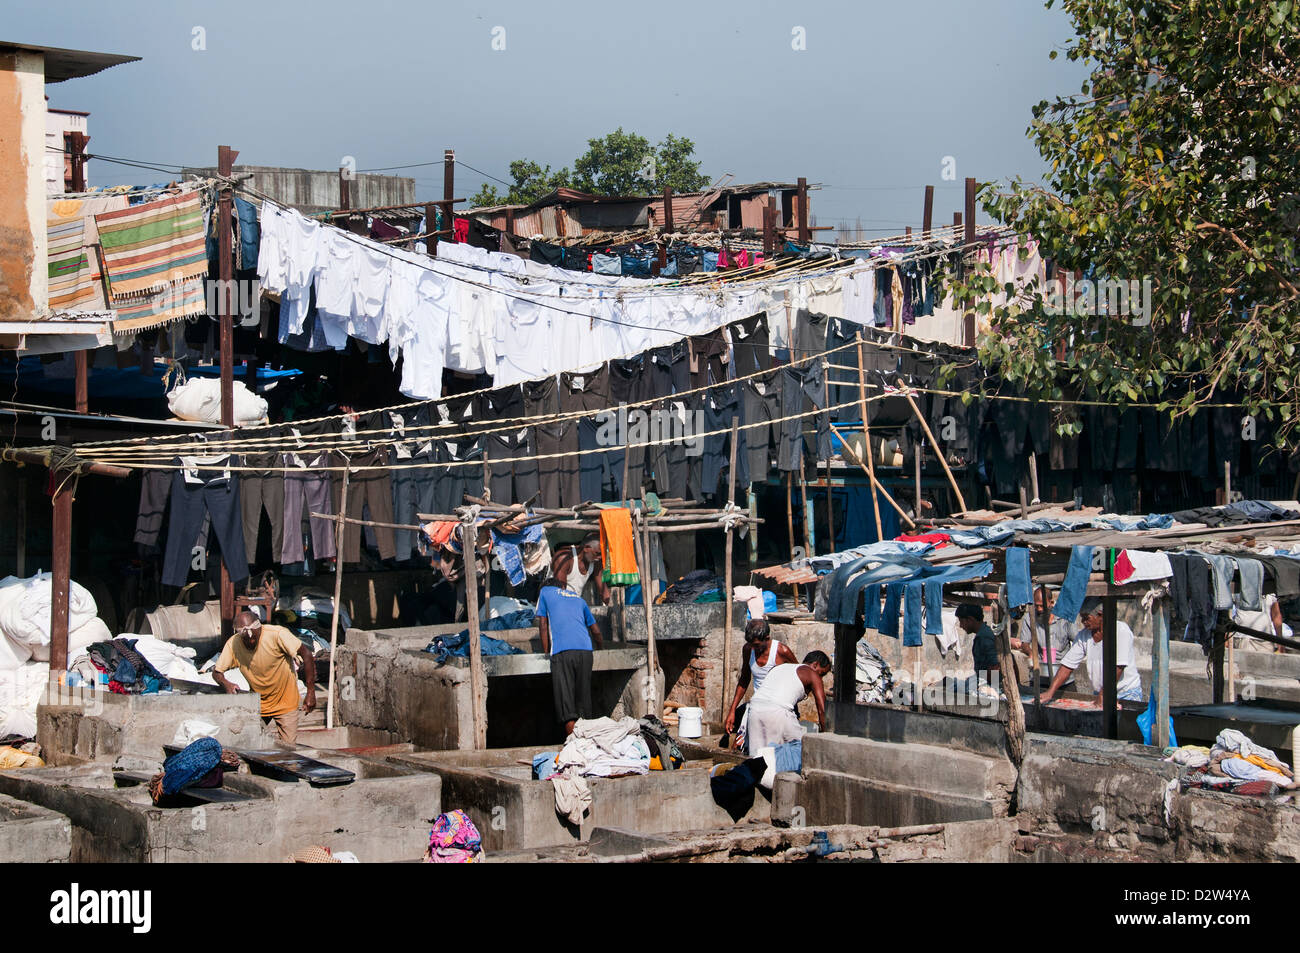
<point x="156" y="260"/>
<point x="312" y="855"/>
<point x="74" y="276"/>
<point x="454" y="840"/>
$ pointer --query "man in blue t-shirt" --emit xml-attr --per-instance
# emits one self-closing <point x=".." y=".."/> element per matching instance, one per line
<point x="569" y="633"/>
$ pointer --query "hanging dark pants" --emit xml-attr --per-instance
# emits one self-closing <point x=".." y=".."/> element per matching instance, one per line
<point x="218" y="498"/>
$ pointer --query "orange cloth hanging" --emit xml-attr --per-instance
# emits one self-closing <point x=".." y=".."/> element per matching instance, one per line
<point x="618" y="547"/>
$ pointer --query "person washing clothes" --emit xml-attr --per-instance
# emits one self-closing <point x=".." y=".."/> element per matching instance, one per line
<point x="773" y="710"/>
<point x="574" y="567"/>
<point x="1087" y="647"/>
<point x="265" y="656"/>
<point x="984" y="648"/>
<point x="763" y="654"/>
<point x="569" y="635"/>
<point x="1054" y="634"/>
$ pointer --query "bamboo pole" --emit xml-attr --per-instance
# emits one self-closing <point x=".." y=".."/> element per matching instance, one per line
<point x="938" y="451"/>
<point x="727" y="597"/>
<point x="647" y="598"/>
<point x="866" y="437"/>
<point x="789" y="526"/>
<point x="340" y="530"/>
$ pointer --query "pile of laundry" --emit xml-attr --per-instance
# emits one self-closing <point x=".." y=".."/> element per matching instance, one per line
<point x="454" y="840"/>
<point x="598" y="748"/>
<point x="875" y="678"/>
<point x="1235" y="764"/>
<point x="25" y="644"/>
<point x="202" y="764"/>
<point x="733" y="783"/>
<point x="444" y="647"/>
<point x="128" y="671"/>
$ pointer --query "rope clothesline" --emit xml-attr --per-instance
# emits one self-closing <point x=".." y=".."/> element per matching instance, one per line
<point x="436" y="431"/>
<point x="478" y="463"/>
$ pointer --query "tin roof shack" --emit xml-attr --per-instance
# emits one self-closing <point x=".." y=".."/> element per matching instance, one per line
<point x="568" y="213"/>
<point x="313" y="192"/>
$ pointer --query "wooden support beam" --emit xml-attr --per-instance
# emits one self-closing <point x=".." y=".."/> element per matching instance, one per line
<point x="225" y="272"/>
<point x="804" y="234"/>
<point x="478" y="681"/>
<point x="340" y="530"/>
<point x="938" y="451"/>
<point x="1160" y="671"/>
<point x="727" y="597"/>
<point x="1109" y="685"/>
<point x="927" y="211"/>
<point x="61" y="573"/>
<point x="876" y="484"/>
<point x="866" y="436"/>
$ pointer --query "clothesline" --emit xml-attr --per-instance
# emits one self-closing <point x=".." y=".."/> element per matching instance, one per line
<point x="479" y="463"/>
<point x="507" y="424"/>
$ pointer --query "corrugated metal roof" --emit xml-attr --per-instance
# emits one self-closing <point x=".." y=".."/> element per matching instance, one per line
<point x="61" y="64"/>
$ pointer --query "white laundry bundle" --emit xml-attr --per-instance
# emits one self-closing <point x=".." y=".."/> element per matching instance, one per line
<point x="25" y="616"/>
<point x="200" y="399"/>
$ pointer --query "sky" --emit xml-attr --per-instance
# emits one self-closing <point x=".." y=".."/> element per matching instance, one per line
<point x="873" y="100"/>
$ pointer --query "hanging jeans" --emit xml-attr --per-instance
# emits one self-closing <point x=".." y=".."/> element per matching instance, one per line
<point x="307" y="491"/>
<point x="217" y="498"/>
<point x="1075" y="586"/>
<point x="1019" y="584"/>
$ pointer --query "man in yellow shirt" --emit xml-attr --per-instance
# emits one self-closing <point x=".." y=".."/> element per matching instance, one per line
<point x="265" y="656"/>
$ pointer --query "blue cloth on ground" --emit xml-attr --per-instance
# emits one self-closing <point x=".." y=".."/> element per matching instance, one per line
<point x="1075" y="586"/>
<point x="190" y="764"/>
<point x="519" y="619"/>
<point x="544" y="765"/>
<point x="444" y="647"/>
<point x="1019" y="585"/>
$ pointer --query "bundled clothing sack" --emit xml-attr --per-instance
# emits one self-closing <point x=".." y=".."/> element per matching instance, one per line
<point x="454" y="840"/>
<point x="200" y="399"/>
<point x="187" y="768"/>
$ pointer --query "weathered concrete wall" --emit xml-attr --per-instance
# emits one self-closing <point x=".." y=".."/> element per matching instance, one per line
<point x="512" y="811"/>
<point x="30" y="834"/>
<point x="24" y="279"/>
<point x="106" y="726"/>
<point x="387" y="683"/>
<point x="860" y="781"/>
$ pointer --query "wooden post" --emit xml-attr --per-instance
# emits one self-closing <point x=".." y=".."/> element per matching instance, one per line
<point x="225" y="271"/>
<point x="648" y="598"/>
<point x="876" y="484"/>
<point x="20" y="524"/>
<point x="667" y="227"/>
<point x="1160" y="672"/>
<point x="487" y="573"/>
<point x="727" y="598"/>
<point x="866" y="437"/>
<point x="789" y="525"/>
<point x="969" y="240"/>
<point x="449" y="191"/>
<point x="61" y="573"/>
<point x="804" y="234"/>
<point x="1034" y="642"/>
<point x="916" y="463"/>
<point x="1110" y="689"/>
<point x="938" y="451"/>
<point x="430" y="225"/>
<point x="1033" y="477"/>
<point x="1024" y="504"/>
<point x="477" y="687"/>
<point x="340" y="530"/>
<point x="1216" y="662"/>
<point x="82" y="369"/>
<point x="956" y="219"/>
<point x="752" y="499"/>
<point x="927" y="211"/>
<point x="769" y="232"/>
<point x="1010" y="687"/>
<point x="809" y="534"/>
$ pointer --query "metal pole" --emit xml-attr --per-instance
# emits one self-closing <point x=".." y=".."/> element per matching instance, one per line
<point x="61" y="573"/>
<point x="477" y="686"/>
<point x="866" y="436"/>
<point x="448" y="193"/>
<point x="927" y="212"/>
<point x="340" y="530"/>
<point x="804" y="234"/>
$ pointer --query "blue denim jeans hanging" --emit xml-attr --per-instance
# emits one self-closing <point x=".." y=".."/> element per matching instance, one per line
<point x="1020" y="588"/>
<point x="1075" y="586"/>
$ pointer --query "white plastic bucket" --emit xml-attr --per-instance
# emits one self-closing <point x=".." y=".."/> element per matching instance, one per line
<point x="690" y="722"/>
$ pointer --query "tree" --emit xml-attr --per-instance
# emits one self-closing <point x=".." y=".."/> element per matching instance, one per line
<point x="1175" y="170"/>
<point x="531" y="182"/>
<point x="623" y="163"/>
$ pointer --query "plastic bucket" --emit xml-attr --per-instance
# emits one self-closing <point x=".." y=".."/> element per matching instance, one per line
<point x="690" y="722"/>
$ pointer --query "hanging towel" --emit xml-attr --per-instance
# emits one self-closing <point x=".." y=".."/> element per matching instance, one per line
<point x="1133" y="565"/>
<point x="1075" y="586"/>
<point x="617" y="547"/>
<point x="156" y="259"/>
<point x="1019" y="586"/>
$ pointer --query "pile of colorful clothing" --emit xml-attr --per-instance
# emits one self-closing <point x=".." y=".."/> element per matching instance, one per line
<point x="454" y="840"/>
<point x="129" y="672"/>
<point x="1235" y="764"/>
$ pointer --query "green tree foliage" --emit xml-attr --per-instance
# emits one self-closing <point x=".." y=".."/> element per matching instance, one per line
<point x="1177" y="163"/>
<point x="620" y="163"/>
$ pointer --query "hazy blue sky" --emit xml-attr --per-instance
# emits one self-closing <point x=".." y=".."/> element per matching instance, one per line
<point x="881" y="94"/>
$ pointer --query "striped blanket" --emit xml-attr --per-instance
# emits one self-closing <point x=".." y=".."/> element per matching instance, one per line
<point x="156" y="261"/>
<point x="74" y="275"/>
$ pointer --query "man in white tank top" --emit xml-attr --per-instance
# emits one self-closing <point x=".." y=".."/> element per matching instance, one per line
<point x="761" y="654"/>
<point x="574" y="566"/>
<point x="773" y="711"/>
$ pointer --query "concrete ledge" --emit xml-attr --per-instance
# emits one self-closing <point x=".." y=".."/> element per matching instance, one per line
<point x="30" y="834"/>
<point x="899" y="725"/>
